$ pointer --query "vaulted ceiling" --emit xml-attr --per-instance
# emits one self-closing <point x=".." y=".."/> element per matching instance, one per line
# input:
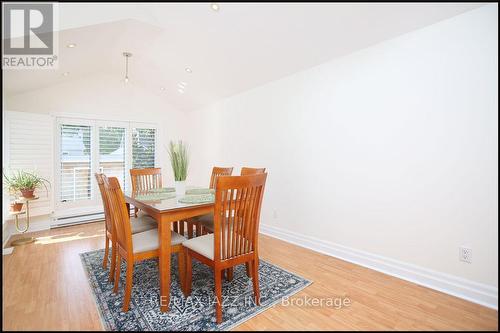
<point x="231" y="50"/>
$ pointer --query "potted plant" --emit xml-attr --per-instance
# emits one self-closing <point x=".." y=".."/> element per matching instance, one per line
<point x="25" y="182"/>
<point x="179" y="161"/>
<point x="15" y="206"/>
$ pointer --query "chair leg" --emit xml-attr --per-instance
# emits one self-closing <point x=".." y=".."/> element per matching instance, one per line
<point x="113" y="261"/>
<point x="182" y="268"/>
<point x="118" y="270"/>
<point x="106" y="252"/>
<point x="136" y="210"/>
<point x="248" y="267"/>
<point x="218" y="295"/>
<point x="229" y="273"/>
<point x="176" y="226"/>
<point x="188" y="274"/>
<point x="128" y="285"/>
<point x="255" y="280"/>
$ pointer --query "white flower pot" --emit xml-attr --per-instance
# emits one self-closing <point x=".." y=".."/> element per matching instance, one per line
<point x="180" y="188"/>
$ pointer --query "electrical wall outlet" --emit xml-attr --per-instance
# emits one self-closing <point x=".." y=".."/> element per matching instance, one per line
<point x="465" y="254"/>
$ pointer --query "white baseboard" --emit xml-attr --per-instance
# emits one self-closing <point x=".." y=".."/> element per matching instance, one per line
<point x="472" y="291"/>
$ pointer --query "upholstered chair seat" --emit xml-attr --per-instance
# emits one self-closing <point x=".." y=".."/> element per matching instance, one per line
<point x="203" y="245"/>
<point x="148" y="240"/>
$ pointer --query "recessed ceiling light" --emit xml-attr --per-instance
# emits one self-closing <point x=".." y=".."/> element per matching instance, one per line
<point x="66" y="73"/>
<point x="181" y="91"/>
<point x="71" y="45"/>
<point x="189" y="70"/>
<point x="181" y="85"/>
<point x="162" y="88"/>
<point x="215" y="7"/>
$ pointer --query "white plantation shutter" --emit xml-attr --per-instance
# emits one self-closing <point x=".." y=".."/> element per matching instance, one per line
<point x="143" y="147"/>
<point x="112" y="153"/>
<point x="75" y="164"/>
<point x="29" y="146"/>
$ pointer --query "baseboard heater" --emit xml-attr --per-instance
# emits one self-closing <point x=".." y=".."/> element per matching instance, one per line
<point x="67" y="221"/>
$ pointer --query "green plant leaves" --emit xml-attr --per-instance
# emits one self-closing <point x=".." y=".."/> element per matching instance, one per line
<point x="22" y="180"/>
<point x="179" y="159"/>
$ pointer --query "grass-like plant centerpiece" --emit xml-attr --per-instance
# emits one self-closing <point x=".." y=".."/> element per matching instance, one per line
<point x="24" y="182"/>
<point x="179" y="160"/>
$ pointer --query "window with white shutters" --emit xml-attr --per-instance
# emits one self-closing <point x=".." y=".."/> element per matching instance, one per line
<point x="143" y="147"/>
<point x="28" y="146"/>
<point x="75" y="163"/>
<point x="112" y="150"/>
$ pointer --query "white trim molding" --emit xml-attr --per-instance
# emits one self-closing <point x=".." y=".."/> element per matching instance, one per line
<point x="471" y="291"/>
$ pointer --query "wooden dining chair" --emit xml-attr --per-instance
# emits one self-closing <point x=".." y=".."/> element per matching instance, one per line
<point x="235" y="239"/>
<point x="207" y="221"/>
<point x="135" y="247"/>
<point x="145" y="179"/>
<point x="200" y="221"/>
<point x="140" y="224"/>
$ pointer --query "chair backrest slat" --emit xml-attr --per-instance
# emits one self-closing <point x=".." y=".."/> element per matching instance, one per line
<point x="145" y="179"/>
<point x="238" y="202"/>
<point x="119" y="212"/>
<point x="107" y="214"/>
<point x="217" y="172"/>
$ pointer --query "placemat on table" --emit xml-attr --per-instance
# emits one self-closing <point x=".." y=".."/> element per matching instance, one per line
<point x="195" y="199"/>
<point x="162" y="190"/>
<point x="155" y="196"/>
<point x="193" y="191"/>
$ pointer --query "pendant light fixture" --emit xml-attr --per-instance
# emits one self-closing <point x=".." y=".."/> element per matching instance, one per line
<point x="126" y="55"/>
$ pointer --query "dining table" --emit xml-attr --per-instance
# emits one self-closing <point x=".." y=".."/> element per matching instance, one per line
<point x="166" y="212"/>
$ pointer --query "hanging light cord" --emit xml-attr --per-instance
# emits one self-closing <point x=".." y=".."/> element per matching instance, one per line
<point x="126" y="55"/>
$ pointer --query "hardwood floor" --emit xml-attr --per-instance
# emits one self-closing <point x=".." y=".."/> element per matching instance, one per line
<point x="45" y="287"/>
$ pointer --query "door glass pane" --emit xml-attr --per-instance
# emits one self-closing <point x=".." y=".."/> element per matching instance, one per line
<point x="112" y="152"/>
<point x="75" y="157"/>
<point x="143" y="147"/>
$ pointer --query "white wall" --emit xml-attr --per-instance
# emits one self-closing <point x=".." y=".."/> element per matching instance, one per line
<point x="391" y="150"/>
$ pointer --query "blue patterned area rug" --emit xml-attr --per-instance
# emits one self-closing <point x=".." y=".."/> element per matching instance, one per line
<point x="195" y="313"/>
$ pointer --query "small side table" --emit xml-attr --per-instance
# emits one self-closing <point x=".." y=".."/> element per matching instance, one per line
<point x="25" y="240"/>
